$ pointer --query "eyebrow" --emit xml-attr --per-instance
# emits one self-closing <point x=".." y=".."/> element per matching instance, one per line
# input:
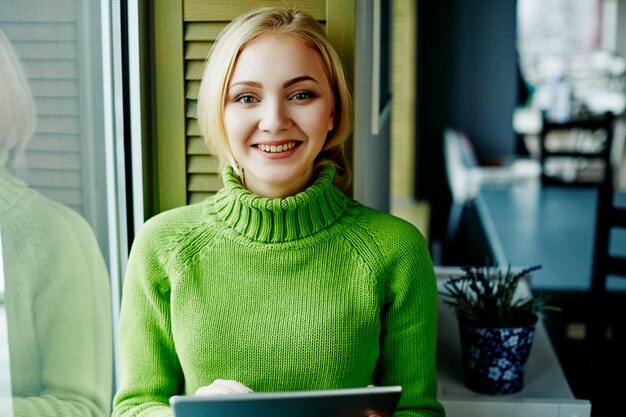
<point x="286" y="84"/>
<point x="299" y="79"/>
<point x="246" y="83"/>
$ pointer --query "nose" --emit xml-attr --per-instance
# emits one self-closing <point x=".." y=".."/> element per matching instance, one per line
<point x="274" y="117"/>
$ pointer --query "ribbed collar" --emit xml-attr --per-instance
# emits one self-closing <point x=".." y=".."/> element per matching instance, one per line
<point x="274" y="220"/>
<point x="11" y="188"/>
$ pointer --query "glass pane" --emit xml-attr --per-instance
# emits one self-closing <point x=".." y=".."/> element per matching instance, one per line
<point x="569" y="57"/>
<point x="56" y="297"/>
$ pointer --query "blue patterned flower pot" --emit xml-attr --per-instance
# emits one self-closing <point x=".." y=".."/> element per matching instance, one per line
<point x="494" y="358"/>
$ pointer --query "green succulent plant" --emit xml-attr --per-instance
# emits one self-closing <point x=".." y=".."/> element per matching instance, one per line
<point x="487" y="296"/>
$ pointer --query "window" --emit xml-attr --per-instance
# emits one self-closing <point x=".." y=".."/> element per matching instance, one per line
<point x="61" y="189"/>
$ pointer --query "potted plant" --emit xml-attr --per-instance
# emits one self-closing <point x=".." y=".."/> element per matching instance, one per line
<point x="496" y="325"/>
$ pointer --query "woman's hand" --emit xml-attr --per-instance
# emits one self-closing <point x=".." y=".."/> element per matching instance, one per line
<point x="223" y="386"/>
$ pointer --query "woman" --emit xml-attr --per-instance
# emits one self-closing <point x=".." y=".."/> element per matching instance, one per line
<point x="56" y="284"/>
<point x="279" y="281"/>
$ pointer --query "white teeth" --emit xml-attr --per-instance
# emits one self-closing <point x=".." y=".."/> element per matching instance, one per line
<point x="275" y="149"/>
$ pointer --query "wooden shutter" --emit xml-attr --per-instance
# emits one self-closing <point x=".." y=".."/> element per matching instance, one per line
<point x="202" y="167"/>
<point x="50" y="41"/>
<point x="186" y="29"/>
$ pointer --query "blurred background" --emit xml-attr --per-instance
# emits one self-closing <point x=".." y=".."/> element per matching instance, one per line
<point x="495" y="126"/>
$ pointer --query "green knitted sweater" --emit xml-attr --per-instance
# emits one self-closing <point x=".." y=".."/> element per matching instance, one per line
<point x="58" y="307"/>
<point x="310" y="291"/>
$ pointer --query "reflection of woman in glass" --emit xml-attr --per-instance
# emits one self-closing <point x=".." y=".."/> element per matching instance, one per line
<point x="56" y="284"/>
<point x="279" y="281"/>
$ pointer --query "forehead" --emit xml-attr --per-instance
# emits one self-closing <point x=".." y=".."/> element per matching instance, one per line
<point x="277" y="57"/>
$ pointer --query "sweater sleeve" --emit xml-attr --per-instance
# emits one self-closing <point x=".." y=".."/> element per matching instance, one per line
<point x="72" y="314"/>
<point x="150" y="372"/>
<point x="409" y="325"/>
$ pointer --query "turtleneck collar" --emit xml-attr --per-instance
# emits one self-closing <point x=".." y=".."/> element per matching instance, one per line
<point x="272" y="220"/>
<point x="11" y="187"/>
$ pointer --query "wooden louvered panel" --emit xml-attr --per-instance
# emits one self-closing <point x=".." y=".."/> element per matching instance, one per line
<point x="192" y="127"/>
<point x="54" y="157"/>
<point x="196" y="146"/>
<point x="54" y="161"/>
<point x="51" y="69"/>
<point x="54" y="88"/>
<point x="58" y="124"/>
<point x="72" y="197"/>
<point x="47" y="43"/>
<point x="40" y="31"/>
<point x="219" y="10"/>
<point x="53" y="142"/>
<point x="191" y="108"/>
<point x="40" y="50"/>
<point x="192" y="90"/>
<point x="197" y="197"/>
<point x="57" y="106"/>
<point x="203" y="31"/>
<point x="185" y="31"/>
<point x="193" y="70"/>
<point x="58" y="179"/>
<point x="40" y="11"/>
<point x="202" y="167"/>
<point x="197" y="50"/>
<point x="207" y="183"/>
<point x="199" y="164"/>
<point x="204" y="20"/>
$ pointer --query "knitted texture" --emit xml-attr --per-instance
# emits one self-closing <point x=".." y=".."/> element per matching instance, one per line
<point x="311" y="291"/>
<point x="58" y="307"/>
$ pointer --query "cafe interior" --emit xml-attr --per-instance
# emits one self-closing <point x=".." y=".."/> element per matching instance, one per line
<point x="496" y="127"/>
<point x="530" y="99"/>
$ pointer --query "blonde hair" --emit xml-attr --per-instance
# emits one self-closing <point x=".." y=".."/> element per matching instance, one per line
<point x="240" y="33"/>
<point x="17" y="108"/>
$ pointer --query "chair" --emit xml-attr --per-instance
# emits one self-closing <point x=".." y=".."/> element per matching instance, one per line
<point x="607" y="331"/>
<point x="594" y="148"/>
<point x="466" y="176"/>
<point x="609" y="216"/>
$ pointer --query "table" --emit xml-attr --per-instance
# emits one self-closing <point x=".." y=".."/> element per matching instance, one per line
<point x="529" y="224"/>
<point x="546" y="392"/>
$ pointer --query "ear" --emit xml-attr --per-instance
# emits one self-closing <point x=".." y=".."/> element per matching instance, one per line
<point x="331" y="122"/>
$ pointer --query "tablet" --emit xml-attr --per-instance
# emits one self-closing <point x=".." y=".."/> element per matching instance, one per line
<point x="347" y="402"/>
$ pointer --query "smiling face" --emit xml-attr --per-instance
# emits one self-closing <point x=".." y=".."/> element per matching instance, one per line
<point x="277" y="113"/>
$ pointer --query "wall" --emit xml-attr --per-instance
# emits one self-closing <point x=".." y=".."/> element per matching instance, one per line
<point x="467" y="78"/>
<point x="371" y="148"/>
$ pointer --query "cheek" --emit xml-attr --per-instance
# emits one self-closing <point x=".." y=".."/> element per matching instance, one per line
<point x="317" y="121"/>
<point x="238" y="126"/>
<point x="324" y="126"/>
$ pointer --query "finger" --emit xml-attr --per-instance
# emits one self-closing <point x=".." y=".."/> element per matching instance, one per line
<point x="221" y="386"/>
<point x="234" y="386"/>
<point x="212" y="390"/>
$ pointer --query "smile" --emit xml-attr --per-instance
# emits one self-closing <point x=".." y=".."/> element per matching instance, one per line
<point x="277" y="148"/>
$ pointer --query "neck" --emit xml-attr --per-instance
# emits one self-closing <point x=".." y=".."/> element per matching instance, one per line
<point x="274" y="220"/>
<point x="276" y="189"/>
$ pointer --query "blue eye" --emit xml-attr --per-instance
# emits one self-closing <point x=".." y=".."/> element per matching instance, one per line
<point x="245" y="99"/>
<point x="302" y="95"/>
